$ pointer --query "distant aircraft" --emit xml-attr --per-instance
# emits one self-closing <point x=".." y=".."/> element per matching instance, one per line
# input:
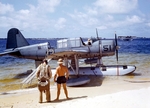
<point x="71" y="50"/>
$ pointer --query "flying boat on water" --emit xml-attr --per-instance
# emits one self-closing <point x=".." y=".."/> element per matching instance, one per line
<point x="72" y="50"/>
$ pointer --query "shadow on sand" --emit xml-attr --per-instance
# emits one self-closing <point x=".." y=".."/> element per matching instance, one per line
<point x="94" y="81"/>
<point x="7" y="93"/>
<point x="134" y="74"/>
<point x="62" y="100"/>
<point x="23" y="74"/>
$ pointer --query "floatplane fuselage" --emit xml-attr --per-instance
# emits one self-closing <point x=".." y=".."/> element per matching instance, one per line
<point x="72" y="50"/>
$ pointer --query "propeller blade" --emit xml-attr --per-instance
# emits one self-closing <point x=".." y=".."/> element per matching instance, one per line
<point x="117" y="54"/>
<point x="98" y="38"/>
<point x="97" y="33"/>
<point x="116" y="47"/>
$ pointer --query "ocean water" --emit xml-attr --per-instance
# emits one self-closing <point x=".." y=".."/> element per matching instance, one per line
<point x="14" y="70"/>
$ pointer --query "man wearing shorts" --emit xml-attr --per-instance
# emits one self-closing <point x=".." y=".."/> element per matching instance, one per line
<point x="44" y="74"/>
<point x="62" y="75"/>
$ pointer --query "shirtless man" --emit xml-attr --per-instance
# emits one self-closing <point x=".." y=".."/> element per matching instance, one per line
<point x="62" y="75"/>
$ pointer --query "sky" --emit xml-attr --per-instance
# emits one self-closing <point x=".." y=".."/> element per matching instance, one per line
<point x="72" y="18"/>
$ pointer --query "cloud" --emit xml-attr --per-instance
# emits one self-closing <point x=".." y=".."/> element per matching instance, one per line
<point x="102" y="13"/>
<point x="83" y="18"/>
<point x="60" y="24"/>
<point x="101" y="27"/>
<point x="52" y="15"/>
<point x="114" y="24"/>
<point x="148" y="24"/>
<point x="91" y="11"/>
<point x="109" y="18"/>
<point x="116" y="6"/>
<point x="3" y="20"/>
<point x="6" y="8"/>
<point x="47" y="5"/>
<point x="34" y="18"/>
<point x="134" y="19"/>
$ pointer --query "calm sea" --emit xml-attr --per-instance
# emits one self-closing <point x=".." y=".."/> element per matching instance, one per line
<point x="14" y="70"/>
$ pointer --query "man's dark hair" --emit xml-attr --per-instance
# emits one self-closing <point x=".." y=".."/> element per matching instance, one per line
<point x="45" y="61"/>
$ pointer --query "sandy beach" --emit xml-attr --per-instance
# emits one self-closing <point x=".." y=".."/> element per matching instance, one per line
<point x="116" y="93"/>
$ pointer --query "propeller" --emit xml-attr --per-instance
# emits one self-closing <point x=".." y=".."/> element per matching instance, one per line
<point x="116" y="47"/>
<point x="95" y="38"/>
<point x="97" y="34"/>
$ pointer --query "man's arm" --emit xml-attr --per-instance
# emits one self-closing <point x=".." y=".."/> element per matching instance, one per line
<point x="67" y="73"/>
<point x="38" y="71"/>
<point x="55" y="75"/>
<point x="49" y="72"/>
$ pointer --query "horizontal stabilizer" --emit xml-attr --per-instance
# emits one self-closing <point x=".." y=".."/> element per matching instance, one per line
<point x="8" y="52"/>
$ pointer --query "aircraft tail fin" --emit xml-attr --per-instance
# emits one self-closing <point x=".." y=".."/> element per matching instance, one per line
<point x="15" y="39"/>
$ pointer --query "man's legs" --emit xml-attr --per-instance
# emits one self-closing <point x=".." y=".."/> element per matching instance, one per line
<point x="58" y="91"/>
<point x="40" y="94"/>
<point x="41" y="97"/>
<point x="48" y="96"/>
<point x="65" y="90"/>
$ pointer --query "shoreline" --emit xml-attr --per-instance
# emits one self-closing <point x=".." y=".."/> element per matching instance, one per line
<point x="109" y="93"/>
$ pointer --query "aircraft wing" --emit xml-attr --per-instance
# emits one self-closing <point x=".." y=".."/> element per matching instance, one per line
<point x="68" y="53"/>
<point x="8" y="52"/>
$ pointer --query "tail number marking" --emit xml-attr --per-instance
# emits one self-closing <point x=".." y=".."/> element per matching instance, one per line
<point x="107" y="48"/>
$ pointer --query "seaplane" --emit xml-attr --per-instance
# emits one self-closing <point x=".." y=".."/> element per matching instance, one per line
<point x="72" y="50"/>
